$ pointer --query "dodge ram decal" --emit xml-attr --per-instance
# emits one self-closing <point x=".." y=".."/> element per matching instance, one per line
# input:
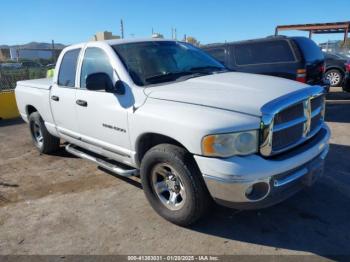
<point x="114" y="128"/>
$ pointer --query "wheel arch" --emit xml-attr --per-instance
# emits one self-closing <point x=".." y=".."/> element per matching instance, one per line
<point x="341" y="70"/>
<point x="148" y="140"/>
<point x="30" y="109"/>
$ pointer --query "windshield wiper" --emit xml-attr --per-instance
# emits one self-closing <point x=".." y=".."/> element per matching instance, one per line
<point x="193" y="72"/>
<point x="208" y="68"/>
<point x="167" y="76"/>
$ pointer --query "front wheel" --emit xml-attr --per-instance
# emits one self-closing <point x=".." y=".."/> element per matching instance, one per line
<point x="173" y="184"/>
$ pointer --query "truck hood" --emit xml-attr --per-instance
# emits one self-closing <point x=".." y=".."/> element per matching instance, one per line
<point x="239" y="92"/>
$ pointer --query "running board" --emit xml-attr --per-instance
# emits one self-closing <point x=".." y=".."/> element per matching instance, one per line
<point x="100" y="162"/>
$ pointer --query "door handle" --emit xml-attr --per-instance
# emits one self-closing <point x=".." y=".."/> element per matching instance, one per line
<point x="55" y="98"/>
<point x="81" y="103"/>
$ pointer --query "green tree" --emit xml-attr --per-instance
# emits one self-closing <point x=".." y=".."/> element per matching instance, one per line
<point x="192" y="40"/>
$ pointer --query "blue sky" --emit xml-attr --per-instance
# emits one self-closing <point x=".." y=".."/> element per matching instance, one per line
<point x="209" y="21"/>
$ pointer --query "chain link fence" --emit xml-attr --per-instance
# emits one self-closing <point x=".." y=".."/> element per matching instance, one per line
<point x="26" y="62"/>
<point x="9" y="77"/>
<point x="335" y="47"/>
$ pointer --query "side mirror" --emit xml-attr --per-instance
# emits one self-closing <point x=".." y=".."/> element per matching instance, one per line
<point x="98" y="81"/>
<point x="102" y="81"/>
<point x="119" y="88"/>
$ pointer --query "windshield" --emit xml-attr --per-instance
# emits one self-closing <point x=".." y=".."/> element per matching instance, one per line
<point x="164" y="61"/>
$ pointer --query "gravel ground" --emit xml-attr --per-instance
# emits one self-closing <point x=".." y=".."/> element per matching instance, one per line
<point x="60" y="204"/>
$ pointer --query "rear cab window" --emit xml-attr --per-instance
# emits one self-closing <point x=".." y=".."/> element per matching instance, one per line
<point x="264" y="52"/>
<point x="311" y="52"/>
<point x="68" y="68"/>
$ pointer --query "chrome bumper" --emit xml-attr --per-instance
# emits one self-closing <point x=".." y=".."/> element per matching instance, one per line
<point x="310" y="168"/>
<point x="276" y="186"/>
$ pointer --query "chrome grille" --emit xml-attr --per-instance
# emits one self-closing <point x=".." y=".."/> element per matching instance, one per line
<point x="315" y="122"/>
<point x="317" y="102"/>
<point x="286" y="137"/>
<point x="291" y="120"/>
<point x="289" y="114"/>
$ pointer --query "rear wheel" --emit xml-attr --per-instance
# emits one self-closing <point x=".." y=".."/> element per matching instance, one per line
<point x="335" y="77"/>
<point x="42" y="139"/>
<point x="173" y="184"/>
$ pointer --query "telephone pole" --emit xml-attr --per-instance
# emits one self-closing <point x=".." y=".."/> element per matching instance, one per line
<point x="53" y="55"/>
<point x="122" y="28"/>
<point x="173" y="33"/>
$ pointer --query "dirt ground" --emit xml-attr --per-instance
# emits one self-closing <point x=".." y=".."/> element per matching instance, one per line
<point x="61" y="204"/>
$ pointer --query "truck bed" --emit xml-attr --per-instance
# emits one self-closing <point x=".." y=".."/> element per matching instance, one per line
<point x="42" y="83"/>
<point x="36" y="94"/>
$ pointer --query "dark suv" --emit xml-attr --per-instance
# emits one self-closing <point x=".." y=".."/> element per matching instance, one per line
<point x="296" y="58"/>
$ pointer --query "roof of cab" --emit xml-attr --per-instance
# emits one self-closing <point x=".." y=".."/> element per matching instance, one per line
<point x="121" y="41"/>
<point x="134" y="40"/>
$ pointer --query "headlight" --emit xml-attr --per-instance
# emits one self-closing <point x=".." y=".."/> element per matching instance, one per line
<point x="226" y="145"/>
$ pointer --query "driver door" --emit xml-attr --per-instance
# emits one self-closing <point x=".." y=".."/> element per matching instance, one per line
<point x="102" y="118"/>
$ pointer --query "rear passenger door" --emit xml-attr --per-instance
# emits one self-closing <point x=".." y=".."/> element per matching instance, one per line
<point x="62" y="95"/>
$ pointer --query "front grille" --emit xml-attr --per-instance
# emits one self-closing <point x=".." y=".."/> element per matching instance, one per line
<point x="287" y="137"/>
<point x="317" y="102"/>
<point x="315" y="122"/>
<point x="289" y="114"/>
<point x="292" y="120"/>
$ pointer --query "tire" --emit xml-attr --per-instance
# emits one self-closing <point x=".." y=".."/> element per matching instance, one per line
<point x="42" y="139"/>
<point x="335" y="77"/>
<point x="193" y="198"/>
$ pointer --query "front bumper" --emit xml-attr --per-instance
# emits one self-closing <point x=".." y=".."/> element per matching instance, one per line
<point x="230" y="180"/>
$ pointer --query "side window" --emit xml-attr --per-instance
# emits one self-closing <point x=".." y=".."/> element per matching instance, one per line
<point x="263" y="52"/>
<point x="68" y="68"/>
<point x="95" y="61"/>
<point x="218" y="54"/>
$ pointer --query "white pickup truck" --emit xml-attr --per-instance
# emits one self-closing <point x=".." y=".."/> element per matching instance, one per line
<point x="194" y="131"/>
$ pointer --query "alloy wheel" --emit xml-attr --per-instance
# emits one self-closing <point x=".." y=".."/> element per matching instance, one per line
<point x="334" y="78"/>
<point x="168" y="186"/>
<point x="37" y="134"/>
